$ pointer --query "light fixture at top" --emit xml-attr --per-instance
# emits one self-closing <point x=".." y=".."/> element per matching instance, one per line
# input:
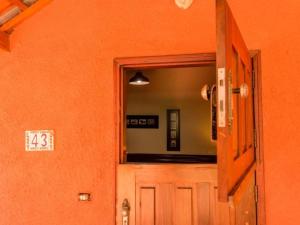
<point x="139" y="79"/>
<point x="184" y="4"/>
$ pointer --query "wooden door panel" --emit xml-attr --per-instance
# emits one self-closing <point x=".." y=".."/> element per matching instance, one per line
<point x="184" y="206"/>
<point x="235" y="136"/>
<point x="126" y="186"/>
<point x="165" y="204"/>
<point x="243" y="203"/>
<point x="146" y="205"/>
<point x="205" y="212"/>
<point x="169" y="194"/>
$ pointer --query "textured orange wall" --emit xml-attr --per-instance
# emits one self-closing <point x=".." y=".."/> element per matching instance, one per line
<point x="59" y="76"/>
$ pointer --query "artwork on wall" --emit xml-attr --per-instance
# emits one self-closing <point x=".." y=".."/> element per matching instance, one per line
<point x="142" y="121"/>
<point x="173" y="130"/>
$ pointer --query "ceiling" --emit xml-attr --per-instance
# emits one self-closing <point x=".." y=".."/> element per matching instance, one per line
<point x="183" y="82"/>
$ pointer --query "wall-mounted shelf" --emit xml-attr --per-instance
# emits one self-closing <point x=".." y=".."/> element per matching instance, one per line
<point x="12" y="13"/>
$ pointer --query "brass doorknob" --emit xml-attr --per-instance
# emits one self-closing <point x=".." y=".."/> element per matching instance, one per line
<point x="125" y="207"/>
<point x="243" y="90"/>
<point x="205" y="92"/>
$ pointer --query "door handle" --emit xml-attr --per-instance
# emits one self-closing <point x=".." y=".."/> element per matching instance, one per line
<point x="206" y="92"/>
<point x="125" y="212"/>
<point x="242" y="90"/>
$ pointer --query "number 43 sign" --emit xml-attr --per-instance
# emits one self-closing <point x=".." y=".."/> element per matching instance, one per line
<point x="39" y="140"/>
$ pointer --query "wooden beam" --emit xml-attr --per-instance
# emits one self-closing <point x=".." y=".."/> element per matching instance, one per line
<point x="24" y="15"/>
<point x="20" y="4"/>
<point x="4" y="41"/>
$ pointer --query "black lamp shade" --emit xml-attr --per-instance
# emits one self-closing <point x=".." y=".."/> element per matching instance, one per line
<point x="139" y="79"/>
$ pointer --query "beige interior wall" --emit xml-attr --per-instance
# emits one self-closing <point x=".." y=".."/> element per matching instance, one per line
<point x="172" y="88"/>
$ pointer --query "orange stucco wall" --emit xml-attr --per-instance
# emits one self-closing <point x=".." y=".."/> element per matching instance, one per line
<point x="59" y="76"/>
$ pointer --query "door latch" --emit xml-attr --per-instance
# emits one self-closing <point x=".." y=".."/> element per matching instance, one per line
<point x="125" y="212"/>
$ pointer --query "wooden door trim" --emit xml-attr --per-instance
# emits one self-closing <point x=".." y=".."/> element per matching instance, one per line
<point x="165" y="61"/>
<point x="146" y="62"/>
<point x="258" y="112"/>
<point x="189" y="60"/>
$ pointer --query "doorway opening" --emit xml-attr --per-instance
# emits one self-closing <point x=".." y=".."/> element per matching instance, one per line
<point x="150" y="175"/>
<point x="167" y="120"/>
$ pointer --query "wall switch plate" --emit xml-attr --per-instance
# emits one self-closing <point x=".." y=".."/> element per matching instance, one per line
<point x="83" y="197"/>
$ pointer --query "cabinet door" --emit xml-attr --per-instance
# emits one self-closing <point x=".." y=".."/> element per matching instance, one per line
<point x="235" y="148"/>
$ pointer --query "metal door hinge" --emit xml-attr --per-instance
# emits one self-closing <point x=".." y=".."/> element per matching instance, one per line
<point x="255" y="138"/>
<point x="257" y="153"/>
<point x="256" y="193"/>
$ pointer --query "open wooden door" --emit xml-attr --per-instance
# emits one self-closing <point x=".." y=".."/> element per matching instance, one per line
<point x="235" y="144"/>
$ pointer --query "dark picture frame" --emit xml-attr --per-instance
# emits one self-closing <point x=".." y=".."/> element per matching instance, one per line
<point x="173" y="130"/>
<point x="142" y="121"/>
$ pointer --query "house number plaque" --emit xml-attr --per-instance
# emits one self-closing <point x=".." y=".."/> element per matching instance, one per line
<point x="39" y="140"/>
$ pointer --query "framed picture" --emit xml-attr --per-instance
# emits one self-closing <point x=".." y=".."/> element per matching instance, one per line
<point x="142" y="121"/>
<point x="173" y="130"/>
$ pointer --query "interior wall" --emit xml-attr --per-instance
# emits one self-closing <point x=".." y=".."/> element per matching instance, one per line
<point x="172" y="88"/>
<point x="59" y="76"/>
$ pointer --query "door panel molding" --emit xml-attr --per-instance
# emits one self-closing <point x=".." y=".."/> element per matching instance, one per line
<point x="165" y="195"/>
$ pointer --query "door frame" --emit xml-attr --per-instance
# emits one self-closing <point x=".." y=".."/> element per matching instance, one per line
<point x="188" y="60"/>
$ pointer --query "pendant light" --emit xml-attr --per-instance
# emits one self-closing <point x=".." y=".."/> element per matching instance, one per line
<point x="139" y="79"/>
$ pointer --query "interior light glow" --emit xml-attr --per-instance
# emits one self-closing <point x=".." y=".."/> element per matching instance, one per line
<point x="139" y="79"/>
